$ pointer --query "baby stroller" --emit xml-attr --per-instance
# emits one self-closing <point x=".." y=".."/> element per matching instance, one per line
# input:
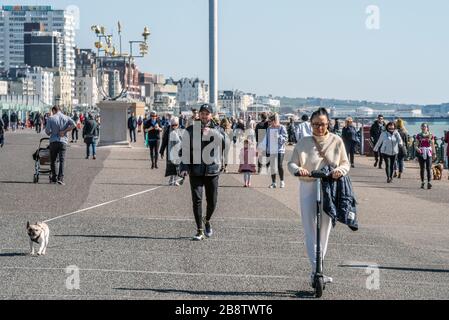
<point x="42" y="160"/>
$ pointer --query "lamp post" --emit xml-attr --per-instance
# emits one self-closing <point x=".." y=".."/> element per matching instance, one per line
<point x="213" y="52"/>
<point x="106" y="51"/>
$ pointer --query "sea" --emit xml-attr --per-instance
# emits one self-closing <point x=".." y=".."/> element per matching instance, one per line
<point x="437" y="127"/>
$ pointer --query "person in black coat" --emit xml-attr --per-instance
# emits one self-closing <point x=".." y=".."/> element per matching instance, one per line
<point x="171" y="140"/>
<point x="91" y="132"/>
<point x="153" y="129"/>
<point x="349" y="136"/>
<point x="38" y="122"/>
<point x="261" y="131"/>
<point x="5" y="121"/>
<point x="132" y="126"/>
<point x="376" y="130"/>
<point x="14" y="119"/>
<point x="2" y="133"/>
<point x="202" y="161"/>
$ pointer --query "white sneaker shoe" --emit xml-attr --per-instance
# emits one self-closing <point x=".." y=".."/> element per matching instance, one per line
<point x="199" y="236"/>
<point x="326" y="280"/>
<point x="282" y="184"/>
<point x="273" y="186"/>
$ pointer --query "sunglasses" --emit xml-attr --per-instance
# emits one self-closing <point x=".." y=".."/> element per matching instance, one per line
<point x="320" y="125"/>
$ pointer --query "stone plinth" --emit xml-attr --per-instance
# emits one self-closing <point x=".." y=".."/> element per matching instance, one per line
<point x="138" y="108"/>
<point x="114" y="123"/>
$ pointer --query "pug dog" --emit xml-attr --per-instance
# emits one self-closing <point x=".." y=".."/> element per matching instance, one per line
<point x="38" y="233"/>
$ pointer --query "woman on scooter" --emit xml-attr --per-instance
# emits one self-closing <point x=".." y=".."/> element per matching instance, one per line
<point x="310" y="154"/>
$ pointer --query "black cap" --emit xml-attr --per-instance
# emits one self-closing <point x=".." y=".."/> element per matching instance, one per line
<point x="206" y="107"/>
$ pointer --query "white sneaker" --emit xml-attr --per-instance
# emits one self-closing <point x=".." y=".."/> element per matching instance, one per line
<point x="199" y="236"/>
<point x="282" y="184"/>
<point x="273" y="186"/>
<point x="326" y="280"/>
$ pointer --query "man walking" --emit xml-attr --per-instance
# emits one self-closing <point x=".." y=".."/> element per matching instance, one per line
<point x="76" y="120"/>
<point x="202" y="149"/>
<point x="132" y="126"/>
<point x="5" y="121"/>
<point x="376" y="130"/>
<point x="57" y="128"/>
<point x="91" y="132"/>
<point x="349" y="136"/>
<point x="2" y="133"/>
<point x="153" y="129"/>
<point x="38" y="122"/>
<point x="13" y="121"/>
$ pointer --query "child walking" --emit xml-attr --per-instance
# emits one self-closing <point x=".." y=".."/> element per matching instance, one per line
<point x="248" y="160"/>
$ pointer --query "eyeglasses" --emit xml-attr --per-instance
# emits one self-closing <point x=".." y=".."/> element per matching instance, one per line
<point x="320" y="125"/>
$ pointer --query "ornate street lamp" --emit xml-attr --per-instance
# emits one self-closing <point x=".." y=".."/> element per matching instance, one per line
<point x="108" y="58"/>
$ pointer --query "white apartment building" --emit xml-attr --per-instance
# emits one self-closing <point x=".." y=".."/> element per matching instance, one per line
<point x="165" y="95"/>
<point x="274" y="104"/>
<point x="234" y="102"/>
<point x="12" y="19"/>
<point x="192" y="92"/>
<point x="86" y="92"/>
<point x="21" y="87"/>
<point x="62" y="88"/>
<point x="43" y="83"/>
<point x="3" y="88"/>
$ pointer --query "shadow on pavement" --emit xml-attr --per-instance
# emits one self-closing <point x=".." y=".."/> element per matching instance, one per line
<point x="132" y="184"/>
<point x="305" y="295"/>
<point x="125" y="159"/>
<point x="395" y="268"/>
<point x="11" y="255"/>
<point x="16" y="182"/>
<point x="121" y="237"/>
<point x="286" y="294"/>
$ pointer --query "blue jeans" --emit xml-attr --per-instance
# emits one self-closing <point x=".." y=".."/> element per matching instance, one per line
<point x="399" y="164"/>
<point x="92" y="143"/>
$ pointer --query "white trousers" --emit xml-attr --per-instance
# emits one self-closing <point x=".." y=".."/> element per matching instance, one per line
<point x="308" y="205"/>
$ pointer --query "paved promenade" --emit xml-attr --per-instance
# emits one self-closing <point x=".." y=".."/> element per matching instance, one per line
<point x="139" y="247"/>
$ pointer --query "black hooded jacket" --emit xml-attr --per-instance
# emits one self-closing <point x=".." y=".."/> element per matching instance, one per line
<point x="217" y="139"/>
<point x="339" y="200"/>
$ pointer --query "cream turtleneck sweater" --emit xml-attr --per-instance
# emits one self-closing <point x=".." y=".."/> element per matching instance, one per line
<point x="306" y="156"/>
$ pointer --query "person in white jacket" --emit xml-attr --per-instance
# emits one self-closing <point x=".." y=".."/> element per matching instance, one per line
<point x="389" y="143"/>
<point x="274" y="145"/>
<point x="314" y="153"/>
<point x="304" y="129"/>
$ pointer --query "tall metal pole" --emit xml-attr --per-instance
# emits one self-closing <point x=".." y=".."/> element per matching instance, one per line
<point x="213" y="53"/>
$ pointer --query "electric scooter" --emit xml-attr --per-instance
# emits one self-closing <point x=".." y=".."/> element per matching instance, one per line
<point x="318" y="282"/>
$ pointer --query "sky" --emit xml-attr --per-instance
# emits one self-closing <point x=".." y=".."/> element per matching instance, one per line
<point x="294" y="48"/>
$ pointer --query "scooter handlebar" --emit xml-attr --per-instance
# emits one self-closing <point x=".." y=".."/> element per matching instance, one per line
<point x="318" y="175"/>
